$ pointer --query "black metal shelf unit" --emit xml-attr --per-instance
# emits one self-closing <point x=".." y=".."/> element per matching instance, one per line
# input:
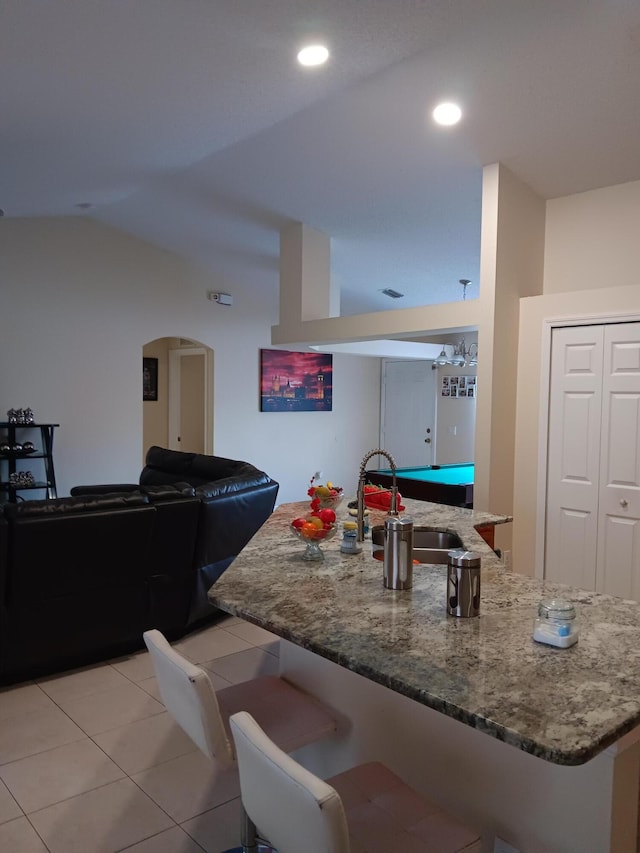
<point x="10" y="459"/>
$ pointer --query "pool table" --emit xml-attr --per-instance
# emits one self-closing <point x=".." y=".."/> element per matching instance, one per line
<point x="443" y="484"/>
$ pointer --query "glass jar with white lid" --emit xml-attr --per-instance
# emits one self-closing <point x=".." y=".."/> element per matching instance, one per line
<point x="556" y="624"/>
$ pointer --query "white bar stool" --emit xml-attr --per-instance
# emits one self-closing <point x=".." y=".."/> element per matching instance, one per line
<point x="292" y="718"/>
<point x="367" y="809"/>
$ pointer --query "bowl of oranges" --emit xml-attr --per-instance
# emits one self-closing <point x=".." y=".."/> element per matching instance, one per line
<point x="312" y="529"/>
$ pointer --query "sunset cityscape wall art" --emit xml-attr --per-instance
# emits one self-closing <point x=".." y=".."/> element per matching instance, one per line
<point x="295" y="381"/>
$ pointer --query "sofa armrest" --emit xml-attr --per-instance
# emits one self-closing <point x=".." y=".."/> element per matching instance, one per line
<point x="103" y="489"/>
<point x="230" y="514"/>
<point x="233" y="485"/>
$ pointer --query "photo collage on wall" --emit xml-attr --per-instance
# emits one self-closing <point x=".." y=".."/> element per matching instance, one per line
<point x="459" y="386"/>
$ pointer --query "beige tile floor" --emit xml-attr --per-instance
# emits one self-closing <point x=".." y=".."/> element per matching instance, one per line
<point x="90" y="761"/>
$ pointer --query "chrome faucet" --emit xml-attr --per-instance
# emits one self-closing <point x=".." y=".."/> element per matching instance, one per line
<point x="393" y="508"/>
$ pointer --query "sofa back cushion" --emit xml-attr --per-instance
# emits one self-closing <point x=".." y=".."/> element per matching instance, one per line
<point x="68" y="545"/>
<point x="75" y="505"/>
<point x="171" y="568"/>
<point x="173" y="466"/>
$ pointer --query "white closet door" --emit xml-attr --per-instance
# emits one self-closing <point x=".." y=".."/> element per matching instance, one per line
<point x="619" y="513"/>
<point x="408" y="412"/>
<point x="574" y="455"/>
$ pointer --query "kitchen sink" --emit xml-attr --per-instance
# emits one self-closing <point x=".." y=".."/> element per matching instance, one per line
<point x="429" y="546"/>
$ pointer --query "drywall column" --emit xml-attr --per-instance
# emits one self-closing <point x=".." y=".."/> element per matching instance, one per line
<point x="511" y="266"/>
<point x="591" y="248"/>
<point x="306" y="292"/>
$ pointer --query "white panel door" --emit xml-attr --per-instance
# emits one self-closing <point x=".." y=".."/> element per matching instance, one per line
<point x="573" y="455"/>
<point x="408" y="412"/>
<point x="619" y="502"/>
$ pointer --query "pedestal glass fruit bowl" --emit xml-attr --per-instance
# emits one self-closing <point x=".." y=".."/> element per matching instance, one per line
<point x="313" y="536"/>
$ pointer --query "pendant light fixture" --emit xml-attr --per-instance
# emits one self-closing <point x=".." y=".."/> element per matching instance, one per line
<point x="462" y="355"/>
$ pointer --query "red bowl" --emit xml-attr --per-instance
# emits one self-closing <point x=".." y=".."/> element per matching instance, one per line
<point x="381" y="500"/>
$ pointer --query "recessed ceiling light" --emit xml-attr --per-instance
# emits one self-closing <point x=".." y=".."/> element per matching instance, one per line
<point x="313" y="54"/>
<point x="447" y="113"/>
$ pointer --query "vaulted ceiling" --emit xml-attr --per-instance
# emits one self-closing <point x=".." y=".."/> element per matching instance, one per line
<point x="190" y="124"/>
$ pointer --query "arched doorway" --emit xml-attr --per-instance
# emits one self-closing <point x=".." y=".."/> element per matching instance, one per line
<point x="181" y="418"/>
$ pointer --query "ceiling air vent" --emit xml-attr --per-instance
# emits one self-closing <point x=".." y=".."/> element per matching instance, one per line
<point x="389" y="291"/>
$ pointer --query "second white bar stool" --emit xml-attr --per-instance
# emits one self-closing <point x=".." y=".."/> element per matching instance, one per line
<point x="367" y="809"/>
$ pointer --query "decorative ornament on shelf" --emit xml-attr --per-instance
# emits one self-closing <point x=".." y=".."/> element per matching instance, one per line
<point x="22" y="478"/>
<point x="21" y="416"/>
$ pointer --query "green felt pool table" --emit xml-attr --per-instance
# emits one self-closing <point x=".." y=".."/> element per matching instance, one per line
<point x="443" y="484"/>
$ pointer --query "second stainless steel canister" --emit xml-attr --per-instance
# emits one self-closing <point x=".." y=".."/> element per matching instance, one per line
<point x="463" y="583"/>
<point x="398" y="553"/>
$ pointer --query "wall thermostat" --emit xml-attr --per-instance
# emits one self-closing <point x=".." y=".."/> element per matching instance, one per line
<point x="221" y="298"/>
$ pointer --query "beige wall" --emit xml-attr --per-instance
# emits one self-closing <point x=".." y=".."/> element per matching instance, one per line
<point x="511" y="267"/>
<point x="593" y="240"/>
<point x="592" y="270"/>
<point x="85" y="298"/>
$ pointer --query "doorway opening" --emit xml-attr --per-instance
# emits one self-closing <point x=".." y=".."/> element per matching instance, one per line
<point x="182" y="416"/>
<point x="427" y="415"/>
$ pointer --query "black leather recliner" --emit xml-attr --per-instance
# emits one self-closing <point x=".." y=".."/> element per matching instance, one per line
<point x="75" y="581"/>
<point x="82" y="577"/>
<point x="235" y="501"/>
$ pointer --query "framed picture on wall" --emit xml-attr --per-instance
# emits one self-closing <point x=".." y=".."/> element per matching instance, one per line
<point x="458" y="386"/>
<point x="295" y="381"/>
<point x="150" y="379"/>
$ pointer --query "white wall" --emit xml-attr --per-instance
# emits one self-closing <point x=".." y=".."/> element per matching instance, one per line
<point x="84" y="298"/>
<point x="592" y="269"/>
<point x="457" y="415"/>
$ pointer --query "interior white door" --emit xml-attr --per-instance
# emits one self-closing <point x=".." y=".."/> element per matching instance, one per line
<point x="573" y="461"/>
<point x="407" y="422"/>
<point x="189" y="400"/>
<point x="619" y="499"/>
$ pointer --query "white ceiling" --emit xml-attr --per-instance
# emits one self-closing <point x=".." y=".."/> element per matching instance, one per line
<point x="190" y="124"/>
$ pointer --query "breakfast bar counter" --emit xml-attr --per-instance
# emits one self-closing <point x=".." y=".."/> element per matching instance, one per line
<point x="568" y="707"/>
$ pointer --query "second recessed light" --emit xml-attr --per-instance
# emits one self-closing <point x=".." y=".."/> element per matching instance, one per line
<point x="313" y="54"/>
<point x="447" y="113"/>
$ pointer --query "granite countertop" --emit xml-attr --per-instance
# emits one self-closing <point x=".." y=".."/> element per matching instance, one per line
<point x="562" y="705"/>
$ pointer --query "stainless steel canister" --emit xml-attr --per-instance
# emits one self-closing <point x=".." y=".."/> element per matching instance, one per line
<point x="463" y="583"/>
<point x="398" y="553"/>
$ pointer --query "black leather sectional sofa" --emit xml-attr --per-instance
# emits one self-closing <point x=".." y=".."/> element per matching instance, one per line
<point x="82" y="577"/>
